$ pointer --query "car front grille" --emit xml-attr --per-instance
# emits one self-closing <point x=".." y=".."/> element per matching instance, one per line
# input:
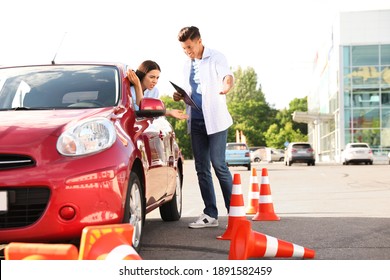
<point x="15" y="161"/>
<point x="25" y="206"/>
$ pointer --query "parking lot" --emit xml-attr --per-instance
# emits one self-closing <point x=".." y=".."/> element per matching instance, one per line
<point x="341" y="212"/>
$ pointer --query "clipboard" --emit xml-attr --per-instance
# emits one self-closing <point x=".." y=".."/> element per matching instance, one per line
<point x="187" y="99"/>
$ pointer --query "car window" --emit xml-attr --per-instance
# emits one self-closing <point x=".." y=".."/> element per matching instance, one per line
<point x="59" y="86"/>
<point x="359" y="146"/>
<point x="302" y="146"/>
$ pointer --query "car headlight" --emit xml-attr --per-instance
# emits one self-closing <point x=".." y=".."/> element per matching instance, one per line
<point x="87" y="137"/>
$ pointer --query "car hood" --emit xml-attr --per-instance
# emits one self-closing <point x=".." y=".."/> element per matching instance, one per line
<point x="19" y="128"/>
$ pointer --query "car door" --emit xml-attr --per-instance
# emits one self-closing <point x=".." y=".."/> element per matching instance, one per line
<point x="157" y="174"/>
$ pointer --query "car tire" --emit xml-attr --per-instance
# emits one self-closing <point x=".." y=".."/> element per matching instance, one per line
<point x="135" y="209"/>
<point x="171" y="211"/>
<point x="249" y="166"/>
<point x="290" y="163"/>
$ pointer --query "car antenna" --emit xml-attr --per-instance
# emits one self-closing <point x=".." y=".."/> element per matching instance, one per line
<point x="55" y="55"/>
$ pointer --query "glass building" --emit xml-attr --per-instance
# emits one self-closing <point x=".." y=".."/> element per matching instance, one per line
<point x="350" y="96"/>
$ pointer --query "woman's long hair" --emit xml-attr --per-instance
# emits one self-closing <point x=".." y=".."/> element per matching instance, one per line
<point x="146" y="67"/>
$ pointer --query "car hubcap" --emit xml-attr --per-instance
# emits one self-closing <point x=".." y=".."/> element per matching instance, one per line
<point x="178" y="193"/>
<point x="136" y="213"/>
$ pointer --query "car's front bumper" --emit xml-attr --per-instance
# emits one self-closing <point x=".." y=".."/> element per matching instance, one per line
<point x="56" y="201"/>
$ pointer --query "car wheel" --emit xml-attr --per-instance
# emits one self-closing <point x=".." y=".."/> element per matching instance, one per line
<point x="249" y="166"/>
<point x="289" y="163"/>
<point x="257" y="159"/>
<point x="371" y="162"/>
<point x="281" y="159"/>
<point x="135" y="209"/>
<point x="171" y="211"/>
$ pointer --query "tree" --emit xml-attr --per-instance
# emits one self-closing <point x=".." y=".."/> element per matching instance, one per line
<point x="285" y="129"/>
<point x="249" y="109"/>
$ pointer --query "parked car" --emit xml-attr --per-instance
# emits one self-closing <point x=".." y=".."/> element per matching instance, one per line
<point x="75" y="153"/>
<point x="388" y="155"/>
<point x="257" y="154"/>
<point x="238" y="154"/>
<point x="277" y="154"/>
<point x="299" y="152"/>
<point x="267" y="154"/>
<point x="357" y="153"/>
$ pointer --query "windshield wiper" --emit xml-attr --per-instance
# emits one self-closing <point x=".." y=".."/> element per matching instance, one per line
<point x="28" y="108"/>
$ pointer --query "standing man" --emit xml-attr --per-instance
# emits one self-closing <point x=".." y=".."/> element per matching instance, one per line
<point x="208" y="79"/>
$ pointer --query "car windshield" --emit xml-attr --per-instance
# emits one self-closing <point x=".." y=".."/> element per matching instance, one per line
<point x="58" y="86"/>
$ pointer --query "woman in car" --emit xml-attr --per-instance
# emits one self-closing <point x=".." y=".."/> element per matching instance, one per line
<point x="143" y="84"/>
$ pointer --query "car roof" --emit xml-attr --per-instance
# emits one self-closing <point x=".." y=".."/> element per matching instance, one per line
<point x="117" y="64"/>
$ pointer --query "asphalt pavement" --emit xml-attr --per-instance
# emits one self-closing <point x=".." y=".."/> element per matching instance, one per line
<point x="340" y="212"/>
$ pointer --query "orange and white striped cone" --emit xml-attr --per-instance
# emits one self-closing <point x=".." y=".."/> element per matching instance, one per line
<point x="108" y="242"/>
<point x="253" y="193"/>
<point x="40" y="251"/>
<point x="236" y="209"/>
<point x="265" y="211"/>
<point x="247" y="243"/>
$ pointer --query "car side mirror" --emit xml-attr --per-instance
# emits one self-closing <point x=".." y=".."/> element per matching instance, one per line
<point x="151" y="108"/>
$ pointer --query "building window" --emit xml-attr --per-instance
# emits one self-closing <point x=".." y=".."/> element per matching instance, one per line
<point x="365" y="77"/>
<point x="385" y="55"/>
<point x="366" y="98"/>
<point x="385" y="97"/>
<point x="365" y="55"/>
<point x="386" y="118"/>
<point x="366" y="118"/>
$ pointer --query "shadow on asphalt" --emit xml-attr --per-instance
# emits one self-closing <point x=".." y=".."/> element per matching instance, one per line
<point x="330" y="238"/>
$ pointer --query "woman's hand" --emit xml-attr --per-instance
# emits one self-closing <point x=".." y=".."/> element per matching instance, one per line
<point x="178" y="114"/>
<point x="133" y="78"/>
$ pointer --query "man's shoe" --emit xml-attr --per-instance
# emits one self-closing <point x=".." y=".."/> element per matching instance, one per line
<point x="204" y="221"/>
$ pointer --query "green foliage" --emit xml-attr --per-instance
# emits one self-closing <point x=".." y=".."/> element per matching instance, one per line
<point x="285" y="129"/>
<point x="276" y="137"/>
<point x="250" y="111"/>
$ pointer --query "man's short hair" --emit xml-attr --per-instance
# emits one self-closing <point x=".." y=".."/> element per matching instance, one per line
<point x="190" y="32"/>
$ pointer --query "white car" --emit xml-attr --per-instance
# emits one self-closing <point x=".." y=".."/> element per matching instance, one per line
<point x="357" y="153"/>
<point x="277" y="154"/>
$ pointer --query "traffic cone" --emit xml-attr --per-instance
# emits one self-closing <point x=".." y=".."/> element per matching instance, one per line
<point x="265" y="211"/>
<point x="253" y="193"/>
<point x="40" y="251"/>
<point x="247" y="243"/>
<point x="108" y="242"/>
<point x="236" y="209"/>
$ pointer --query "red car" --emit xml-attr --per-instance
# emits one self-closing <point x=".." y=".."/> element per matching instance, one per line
<point x="75" y="153"/>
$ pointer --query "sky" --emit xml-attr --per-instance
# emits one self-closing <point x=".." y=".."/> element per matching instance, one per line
<point x="278" y="39"/>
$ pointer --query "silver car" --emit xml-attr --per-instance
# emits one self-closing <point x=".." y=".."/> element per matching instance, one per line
<point x="299" y="152"/>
